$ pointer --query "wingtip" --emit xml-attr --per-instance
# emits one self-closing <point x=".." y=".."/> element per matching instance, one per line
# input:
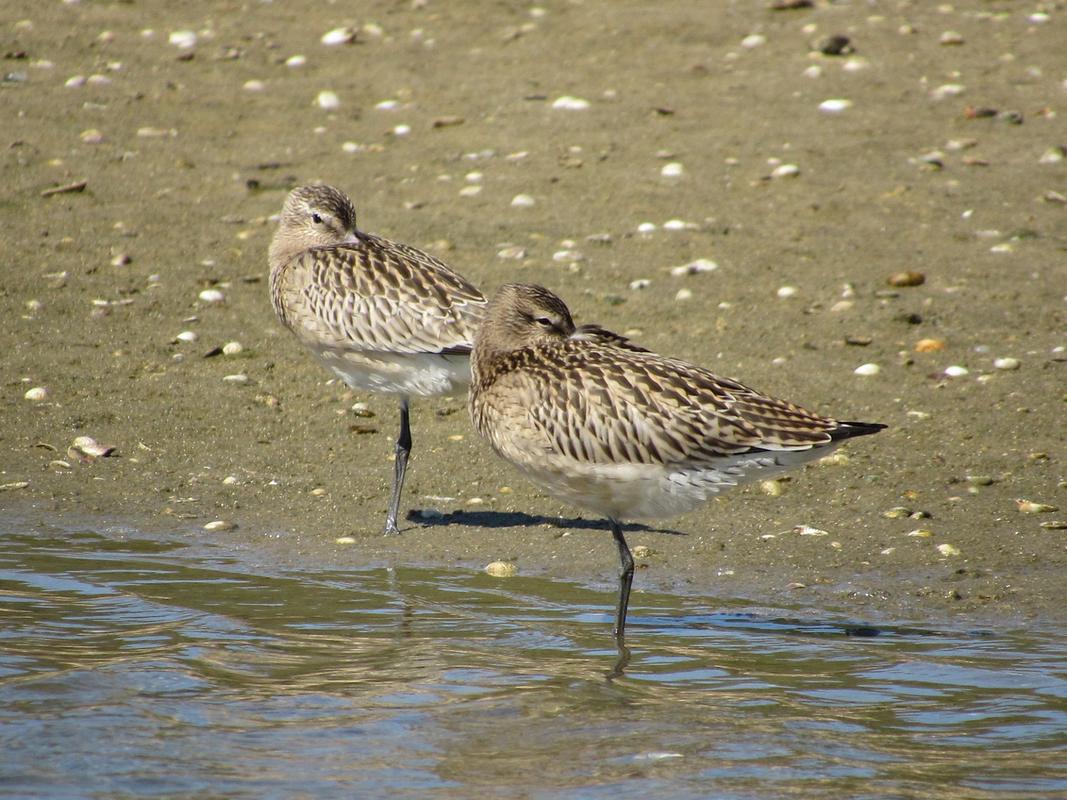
<point x="847" y="430"/>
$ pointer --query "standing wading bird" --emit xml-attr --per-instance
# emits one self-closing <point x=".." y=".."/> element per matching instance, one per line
<point x="609" y="426"/>
<point x="383" y="316"/>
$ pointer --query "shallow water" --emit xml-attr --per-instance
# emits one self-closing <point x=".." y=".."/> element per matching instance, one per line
<point x="133" y="666"/>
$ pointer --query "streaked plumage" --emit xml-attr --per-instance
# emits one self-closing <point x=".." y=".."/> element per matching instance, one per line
<point x="621" y="431"/>
<point x="384" y="317"/>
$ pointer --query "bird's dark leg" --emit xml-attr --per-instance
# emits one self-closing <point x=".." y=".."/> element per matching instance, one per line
<point x="403" y="448"/>
<point x="626" y="578"/>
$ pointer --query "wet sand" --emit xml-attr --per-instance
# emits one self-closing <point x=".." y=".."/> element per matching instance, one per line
<point x="948" y="162"/>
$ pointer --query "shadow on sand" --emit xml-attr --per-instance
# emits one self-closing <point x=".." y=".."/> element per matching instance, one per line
<point x="517" y="519"/>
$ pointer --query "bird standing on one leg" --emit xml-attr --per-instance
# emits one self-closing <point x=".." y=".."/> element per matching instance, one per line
<point x="384" y="317"/>
<point x="609" y="426"/>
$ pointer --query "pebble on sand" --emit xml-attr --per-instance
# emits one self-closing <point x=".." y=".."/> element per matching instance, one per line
<point x="929" y="345"/>
<point x="36" y="394"/>
<point x="501" y="569"/>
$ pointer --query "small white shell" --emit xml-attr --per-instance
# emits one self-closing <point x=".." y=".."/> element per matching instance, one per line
<point x="220" y="525"/>
<point x="212" y="296"/>
<point x="522" y="201"/>
<point x="182" y="39"/>
<point x="338" y="36"/>
<point x="674" y="169"/>
<point x="693" y="267"/>
<point x="328" y="100"/>
<point x="501" y="569"/>
<point x="568" y="103"/>
<point x="36" y="394"/>
<point x="867" y="369"/>
<point x="835" y="105"/>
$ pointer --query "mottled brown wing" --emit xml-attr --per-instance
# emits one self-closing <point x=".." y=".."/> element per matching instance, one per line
<point x="604" y="404"/>
<point x="386" y="297"/>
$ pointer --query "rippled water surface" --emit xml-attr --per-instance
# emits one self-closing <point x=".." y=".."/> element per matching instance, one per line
<point x="139" y="667"/>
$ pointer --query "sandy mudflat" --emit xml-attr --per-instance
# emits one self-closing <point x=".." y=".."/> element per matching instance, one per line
<point x="185" y="154"/>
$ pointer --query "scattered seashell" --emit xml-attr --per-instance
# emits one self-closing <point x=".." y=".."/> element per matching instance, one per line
<point x="785" y="292"/>
<point x="6" y="487"/>
<point x="646" y="227"/>
<point x="345" y="540"/>
<point x="929" y="345"/>
<point x="1007" y="363"/>
<point x="220" y="525"/>
<point x="187" y="336"/>
<point x="401" y="130"/>
<point x="948" y="550"/>
<point x="568" y="256"/>
<point x="867" y="369"/>
<point x="683" y="294"/>
<point x="640" y="283"/>
<point x="1051" y="525"/>
<point x="36" y="394"/>
<point x="512" y="252"/>
<point x="835" y="105"/>
<point x="1054" y="155"/>
<point x="91" y="136"/>
<point x="86" y="449"/>
<point x="772" y="488"/>
<point x="920" y="533"/>
<point x="183" y="40"/>
<point x="296" y="61"/>
<point x="950" y="38"/>
<point x="212" y="296"/>
<point x="693" y="267"/>
<point x="641" y="551"/>
<point x="674" y="169"/>
<point x="327" y="100"/>
<point x="833" y="460"/>
<point x="807" y="530"/>
<point x="238" y="378"/>
<point x="1030" y="507"/>
<point x="786" y="171"/>
<point x="254" y="86"/>
<point x="908" y="278"/>
<point x="338" y="36"/>
<point x="522" y="201"/>
<point x="897" y="512"/>
<point x="568" y="103"/>
<point x="501" y="569"/>
<point x="956" y="371"/>
<point x="753" y="40"/>
<point x="156" y="133"/>
<point x="947" y="90"/>
<point x="232" y="348"/>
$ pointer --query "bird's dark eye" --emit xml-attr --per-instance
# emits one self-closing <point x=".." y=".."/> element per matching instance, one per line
<point x="316" y="219"/>
<point x="544" y="322"/>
